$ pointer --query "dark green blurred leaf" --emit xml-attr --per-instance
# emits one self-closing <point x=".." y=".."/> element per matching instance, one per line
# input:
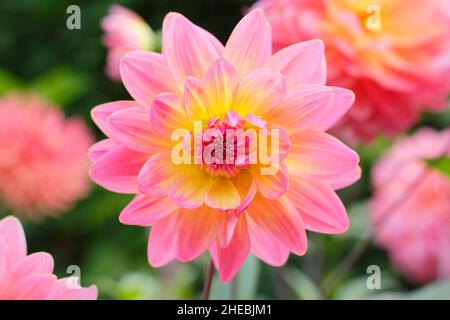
<point x="247" y="278"/>
<point x="243" y="286"/>
<point x="303" y="287"/>
<point x="439" y="290"/>
<point x="356" y="288"/>
<point x="61" y="85"/>
<point x="8" y="82"/>
<point x="220" y="291"/>
<point x="358" y="214"/>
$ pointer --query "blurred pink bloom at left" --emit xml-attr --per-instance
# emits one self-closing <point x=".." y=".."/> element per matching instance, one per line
<point x="30" y="277"/>
<point x="393" y="54"/>
<point x="43" y="157"/>
<point x="124" y="31"/>
<point x="416" y="232"/>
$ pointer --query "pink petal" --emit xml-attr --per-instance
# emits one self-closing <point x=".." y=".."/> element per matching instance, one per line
<point x="145" y="75"/>
<point x="132" y="128"/>
<point x="196" y="230"/>
<point x="194" y="104"/>
<point x="144" y="210"/>
<point x="97" y="150"/>
<point x="320" y="207"/>
<point x="258" y="92"/>
<point x="343" y="100"/>
<point x="267" y="247"/>
<point x="250" y="44"/>
<point x="167" y="114"/>
<point x="188" y="50"/>
<point x="37" y="287"/>
<point x="228" y="260"/>
<point x="301" y="63"/>
<point x="212" y="96"/>
<point x="161" y="249"/>
<point x="156" y="175"/>
<point x="303" y="108"/>
<point x="5" y="266"/>
<point x="226" y="223"/>
<point x="320" y="155"/>
<point x="39" y="262"/>
<point x="246" y="186"/>
<point x="272" y="186"/>
<point x="345" y="179"/>
<point x="101" y="113"/>
<point x="118" y="169"/>
<point x="314" y="107"/>
<point x="280" y="219"/>
<point x="65" y="292"/>
<point x="11" y="231"/>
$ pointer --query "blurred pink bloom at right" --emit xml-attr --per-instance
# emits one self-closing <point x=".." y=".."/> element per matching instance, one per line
<point x="43" y="157"/>
<point x="124" y="31"/>
<point x="30" y="277"/>
<point x="393" y="54"/>
<point x="416" y="233"/>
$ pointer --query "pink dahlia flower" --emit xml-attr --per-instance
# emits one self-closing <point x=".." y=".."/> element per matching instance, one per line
<point x="43" y="157"/>
<point x="30" y="277"/>
<point x="124" y="31"/>
<point x="242" y="205"/>
<point x="411" y="206"/>
<point x="394" y="54"/>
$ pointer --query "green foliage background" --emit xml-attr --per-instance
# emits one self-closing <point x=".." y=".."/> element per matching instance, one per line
<point x="38" y="53"/>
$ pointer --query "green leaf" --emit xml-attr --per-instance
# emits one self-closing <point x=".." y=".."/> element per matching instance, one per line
<point x="247" y="278"/>
<point x="302" y="285"/>
<point x="441" y="164"/>
<point x="356" y="288"/>
<point x="439" y="290"/>
<point x="220" y="291"/>
<point x="157" y="41"/>
<point x="138" y="286"/>
<point x="243" y="286"/>
<point x="8" y="82"/>
<point x="61" y="85"/>
<point x="358" y="214"/>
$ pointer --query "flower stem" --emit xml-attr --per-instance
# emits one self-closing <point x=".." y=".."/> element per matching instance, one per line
<point x="208" y="281"/>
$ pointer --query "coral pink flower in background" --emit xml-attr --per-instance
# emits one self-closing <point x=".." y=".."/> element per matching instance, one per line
<point x="43" y="157"/>
<point x="124" y="31"/>
<point x="228" y="209"/>
<point x="416" y="232"/>
<point x="30" y="277"/>
<point x="394" y="54"/>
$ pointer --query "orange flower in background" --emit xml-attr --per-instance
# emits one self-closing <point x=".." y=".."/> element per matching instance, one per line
<point x="411" y="206"/>
<point x="124" y="30"/>
<point x="394" y="54"/>
<point x="43" y="157"/>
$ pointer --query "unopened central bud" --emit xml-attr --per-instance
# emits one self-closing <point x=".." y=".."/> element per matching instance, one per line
<point x="225" y="146"/>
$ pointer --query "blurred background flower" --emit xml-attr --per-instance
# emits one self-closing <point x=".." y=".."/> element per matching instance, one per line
<point x="43" y="157"/>
<point x="124" y="31"/>
<point x="394" y="54"/>
<point x="411" y="205"/>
